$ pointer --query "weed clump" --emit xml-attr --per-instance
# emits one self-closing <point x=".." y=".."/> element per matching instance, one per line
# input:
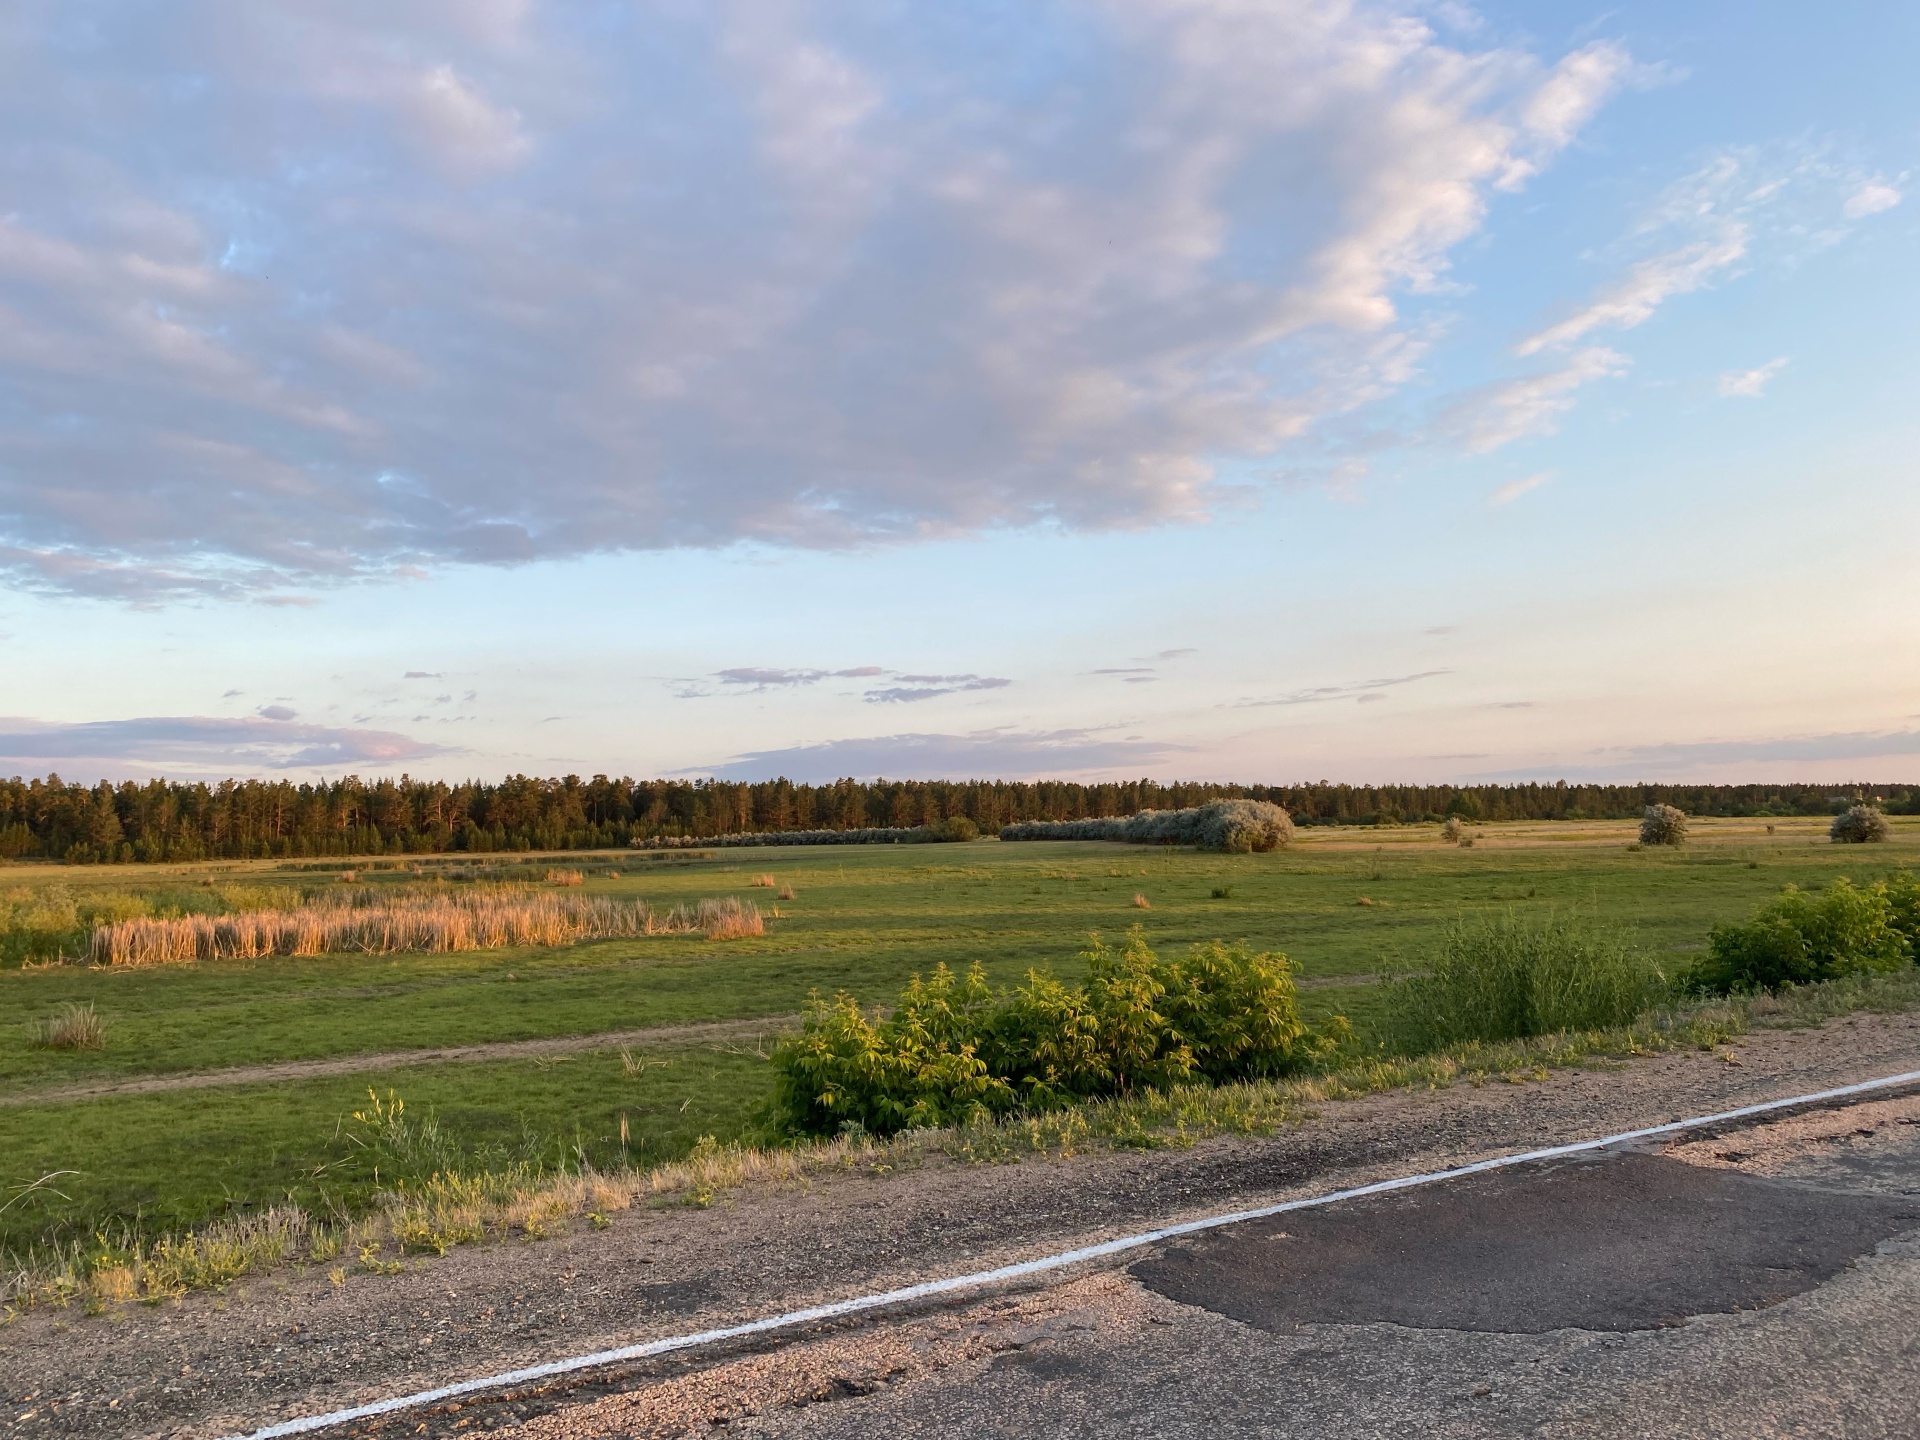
<point x="1663" y="825"/>
<point x="76" y="1027"/>
<point x="1859" y="825"/>
<point x="1802" y="937"/>
<point x="1509" y="978"/>
<point x="1451" y="829"/>
<point x="1237" y="827"/>
<point x="956" y="1050"/>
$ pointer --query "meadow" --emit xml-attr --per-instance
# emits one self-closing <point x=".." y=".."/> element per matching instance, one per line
<point x="1343" y="903"/>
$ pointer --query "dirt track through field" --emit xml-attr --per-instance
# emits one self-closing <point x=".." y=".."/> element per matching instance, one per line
<point x="717" y="1031"/>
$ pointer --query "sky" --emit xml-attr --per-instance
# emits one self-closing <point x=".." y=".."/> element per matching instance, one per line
<point x="1257" y="390"/>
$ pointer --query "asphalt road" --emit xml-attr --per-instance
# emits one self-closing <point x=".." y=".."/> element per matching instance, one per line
<point x="1633" y="1293"/>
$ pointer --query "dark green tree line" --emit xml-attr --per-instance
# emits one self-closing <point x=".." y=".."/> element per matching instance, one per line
<point x="162" y="820"/>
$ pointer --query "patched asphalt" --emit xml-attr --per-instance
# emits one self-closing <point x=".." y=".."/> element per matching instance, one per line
<point x="1616" y="1241"/>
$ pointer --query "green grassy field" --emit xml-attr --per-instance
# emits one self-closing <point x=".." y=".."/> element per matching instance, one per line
<point x="1342" y="903"/>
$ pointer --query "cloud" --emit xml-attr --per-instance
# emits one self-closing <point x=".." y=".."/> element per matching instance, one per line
<point x="1509" y="410"/>
<point x="1514" y="489"/>
<point x="1631" y="300"/>
<point x="411" y="285"/>
<point x="983" y="754"/>
<point x="766" y="678"/>
<point x="201" y="744"/>
<point x="1360" y="690"/>
<point x="277" y="712"/>
<point x="928" y="687"/>
<point x="1870" y="199"/>
<point x="1572" y="94"/>
<point x="1751" y="384"/>
<point x="756" y="679"/>
<point x="423" y="675"/>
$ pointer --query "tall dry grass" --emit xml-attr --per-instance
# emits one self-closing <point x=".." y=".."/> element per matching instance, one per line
<point x="76" y="1027"/>
<point x="436" y="925"/>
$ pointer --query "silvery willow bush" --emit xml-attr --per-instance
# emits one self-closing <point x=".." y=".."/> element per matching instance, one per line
<point x="1663" y="825"/>
<point x="956" y="1048"/>
<point x="1803" y="937"/>
<point x="1235" y="826"/>
<point x="1859" y="825"/>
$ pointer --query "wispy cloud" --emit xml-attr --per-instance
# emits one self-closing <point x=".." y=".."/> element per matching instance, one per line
<point x="759" y="677"/>
<point x="1360" y="690"/>
<point x="201" y="744"/>
<point x="1499" y="414"/>
<point x="1870" y="199"/>
<point x="929" y="687"/>
<point x="1631" y="300"/>
<point x="1751" y="384"/>
<point x="1514" y="489"/>
<point x="983" y="754"/>
<point x="906" y="689"/>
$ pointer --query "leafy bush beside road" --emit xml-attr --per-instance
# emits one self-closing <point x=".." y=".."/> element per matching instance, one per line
<point x="955" y="1048"/>
<point x="1808" y="936"/>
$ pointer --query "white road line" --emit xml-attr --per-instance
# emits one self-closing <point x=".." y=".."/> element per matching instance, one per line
<point x="1061" y="1261"/>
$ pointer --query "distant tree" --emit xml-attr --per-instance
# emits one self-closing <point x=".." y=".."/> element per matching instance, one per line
<point x="1663" y="825"/>
<point x="1452" y="830"/>
<point x="1859" y="825"/>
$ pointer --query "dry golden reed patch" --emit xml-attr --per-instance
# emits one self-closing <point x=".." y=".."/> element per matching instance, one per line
<point x="763" y="882"/>
<point x="565" y="877"/>
<point x="437" y="925"/>
<point x="787" y="892"/>
<point x="1140" y="902"/>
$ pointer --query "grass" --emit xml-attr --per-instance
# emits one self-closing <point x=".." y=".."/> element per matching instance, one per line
<point x="434" y="1204"/>
<point x="864" y="919"/>
<point x="1507" y="976"/>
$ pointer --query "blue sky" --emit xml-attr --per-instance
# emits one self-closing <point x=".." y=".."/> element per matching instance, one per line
<point x="1172" y="387"/>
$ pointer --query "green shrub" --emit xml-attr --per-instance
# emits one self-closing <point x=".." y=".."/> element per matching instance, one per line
<point x="1859" y="825"/>
<point x="955" y="1049"/>
<point x="1507" y="978"/>
<point x="1238" y="827"/>
<point x="1663" y="825"/>
<point x="1803" y="937"/>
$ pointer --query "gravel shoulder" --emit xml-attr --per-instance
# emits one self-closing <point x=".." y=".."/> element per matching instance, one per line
<point x="299" y="1342"/>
